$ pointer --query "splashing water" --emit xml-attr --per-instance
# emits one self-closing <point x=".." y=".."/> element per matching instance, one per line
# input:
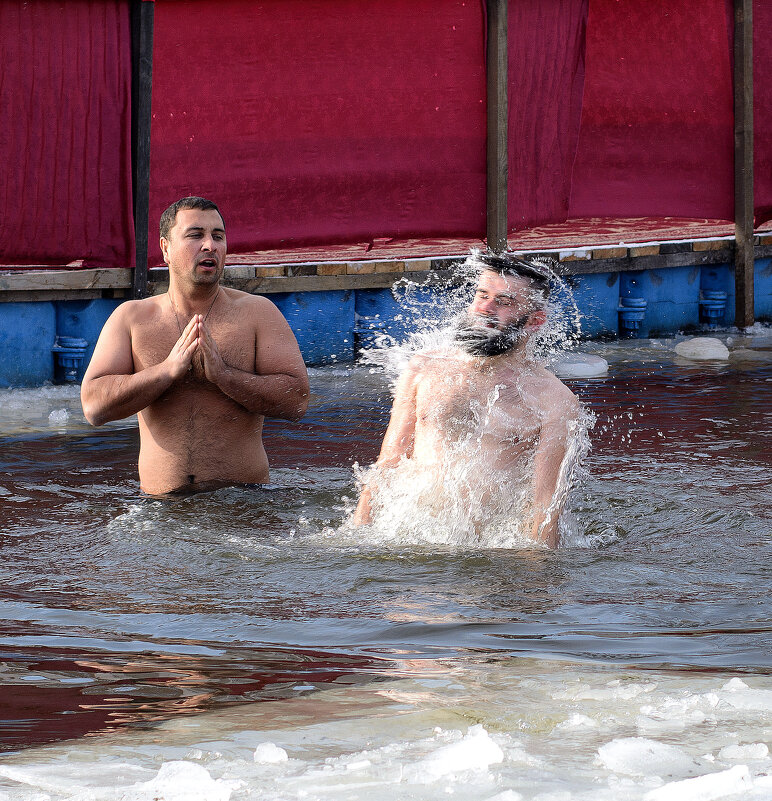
<point x="464" y="492"/>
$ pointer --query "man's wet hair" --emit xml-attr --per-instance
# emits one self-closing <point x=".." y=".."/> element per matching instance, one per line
<point x="169" y="217"/>
<point x="537" y="270"/>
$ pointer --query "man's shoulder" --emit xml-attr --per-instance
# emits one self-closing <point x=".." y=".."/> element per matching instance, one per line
<point x="556" y="394"/>
<point x="139" y="311"/>
<point x="245" y="301"/>
<point x="546" y="390"/>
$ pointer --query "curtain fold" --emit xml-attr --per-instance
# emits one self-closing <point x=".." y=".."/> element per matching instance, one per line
<point x="656" y="135"/>
<point x="65" y="174"/>
<point x="762" y="110"/>
<point x="546" y="50"/>
<point x="321" y="122"/>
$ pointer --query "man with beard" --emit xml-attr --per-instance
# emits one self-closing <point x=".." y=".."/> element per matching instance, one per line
<point x="201" y="365"/>
<point x="482" y="417"/>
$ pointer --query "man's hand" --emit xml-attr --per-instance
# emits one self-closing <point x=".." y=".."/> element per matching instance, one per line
<point x="210" y="353"/>
<point x="181" y="355"/>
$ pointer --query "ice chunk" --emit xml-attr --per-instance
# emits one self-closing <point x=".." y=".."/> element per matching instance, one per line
<point x="703" y="349"/>
<point x="741" y="753"/>
<point x="268" y="753"/>
<point x="475" y="751"/>
<point x="580" y="365"/>
<point x="58" y="417"/>
<point x="182" y="781"/>
<point x="734" y="781"/>
<point x="639" y="756"/>
<point x="577" y="721"/>
<point x="507" y="795"/>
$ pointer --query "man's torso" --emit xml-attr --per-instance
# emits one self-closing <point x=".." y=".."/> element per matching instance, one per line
<point x="194" y="436"/>
<point x="465" y="411"/>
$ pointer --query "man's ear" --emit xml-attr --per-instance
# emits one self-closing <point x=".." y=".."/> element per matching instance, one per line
<point x="165" y="250"/>
<point x="537" y="319"/>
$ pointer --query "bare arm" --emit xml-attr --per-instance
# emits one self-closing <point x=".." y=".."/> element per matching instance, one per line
<point x="548" y="494"/>
<point x="279" y="385"/>
<point x="111" y="389"/>
<point x="398" y="440"/>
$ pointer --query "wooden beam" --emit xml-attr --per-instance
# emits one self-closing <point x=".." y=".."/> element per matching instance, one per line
<point x="142" y="19"/>
<point x="498" y="115"/>
<point x="743" y="162"/>
<point x="69" y="280"/>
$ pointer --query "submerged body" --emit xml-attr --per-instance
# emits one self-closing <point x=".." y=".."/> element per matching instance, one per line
<point x="201" y="366"/>
<point x="478" y="438"/>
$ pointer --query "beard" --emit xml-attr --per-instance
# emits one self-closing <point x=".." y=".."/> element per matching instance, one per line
<point x="479" y="340"/>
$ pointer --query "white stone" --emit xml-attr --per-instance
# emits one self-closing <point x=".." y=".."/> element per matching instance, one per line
<point x="580" y="365"/>
<point x="703" y="349"/>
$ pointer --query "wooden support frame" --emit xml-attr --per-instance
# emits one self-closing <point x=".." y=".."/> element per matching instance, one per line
<point x="142" y="22"/>
<point x="498" y="120"/>
<point x="743" y="162"/>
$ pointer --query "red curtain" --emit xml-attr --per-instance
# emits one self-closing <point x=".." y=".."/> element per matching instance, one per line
<point x="319" y="122"/>
<point x="656" y="135"/>
<point x="65" y="172"/>
<point x="762" y="110"/>
<point x="546" y="78"/>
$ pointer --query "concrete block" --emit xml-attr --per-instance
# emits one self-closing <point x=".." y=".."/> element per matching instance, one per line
<point x="389" y="266"/>
<point x="333" y="268"/>
<point x="644" y="250"/>
<point x="710" y="244"/>
<point x="417" y="265"/>
<point x="360" y="267"/>
<point x="610" y="253"/>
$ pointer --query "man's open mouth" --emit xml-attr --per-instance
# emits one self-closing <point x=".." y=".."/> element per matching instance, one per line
<point x="212" y="263"/>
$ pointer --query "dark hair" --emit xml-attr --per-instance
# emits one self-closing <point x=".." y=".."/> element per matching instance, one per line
<point x="537" y="270"/>
<point x="169" y="217"/>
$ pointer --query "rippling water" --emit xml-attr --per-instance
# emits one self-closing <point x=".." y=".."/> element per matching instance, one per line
<point x="237" y="645"/>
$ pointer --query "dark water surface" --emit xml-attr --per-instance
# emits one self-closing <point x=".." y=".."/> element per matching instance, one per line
<point x="122" y="610"/>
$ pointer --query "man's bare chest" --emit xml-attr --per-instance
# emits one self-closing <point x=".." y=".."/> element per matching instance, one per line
<point x="463" y="405"/>
<point x="151" y="345"/>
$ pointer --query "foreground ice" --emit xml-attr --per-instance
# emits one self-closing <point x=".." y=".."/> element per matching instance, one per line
<point x="509" y="731"/>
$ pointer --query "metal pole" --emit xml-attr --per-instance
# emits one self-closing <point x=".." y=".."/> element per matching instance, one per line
<point x="497" y="162"/>
<point x="743" y="162"/>
<point x="142" y="19"/>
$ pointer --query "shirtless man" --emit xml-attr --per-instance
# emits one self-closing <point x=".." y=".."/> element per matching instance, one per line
<point x="201" y="365"/>
<point x="484" y="410"/>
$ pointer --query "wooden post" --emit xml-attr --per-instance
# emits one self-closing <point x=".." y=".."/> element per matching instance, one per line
<point x="743" y="162"/>
<point x="497" y="162"/>
<point x="142" y="18"/>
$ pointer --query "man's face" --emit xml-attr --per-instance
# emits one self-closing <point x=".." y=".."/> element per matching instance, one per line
<point x="196" y="246"/>
<point x="498" y="314"/>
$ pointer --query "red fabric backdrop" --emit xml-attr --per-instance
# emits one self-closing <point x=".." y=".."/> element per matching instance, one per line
<point x="656" y="135"/>
<point x="327" y="121"/>
<point x="762" y="110"/>
<point x="319" y="121"/>
<point x="65" y="170"/>
<point x="546" y="78"/>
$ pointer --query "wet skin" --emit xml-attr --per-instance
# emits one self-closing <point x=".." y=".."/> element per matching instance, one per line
<point x="201" y="366"/>
<point x="527" y="413"/>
